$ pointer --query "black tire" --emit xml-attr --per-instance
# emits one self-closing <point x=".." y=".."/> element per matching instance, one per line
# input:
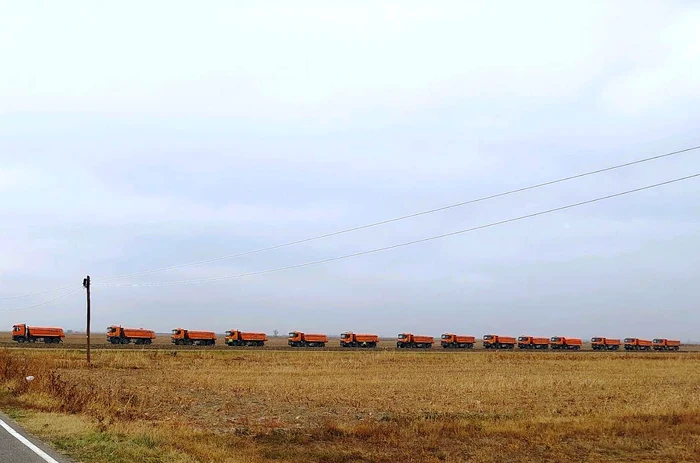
<point x="21" y="340"/>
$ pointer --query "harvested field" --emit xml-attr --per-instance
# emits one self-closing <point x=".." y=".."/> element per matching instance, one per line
<point x="282" y="406"/>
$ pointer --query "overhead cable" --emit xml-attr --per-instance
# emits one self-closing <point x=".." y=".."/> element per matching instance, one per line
<point x="397" y="219"/>
<point x="43" y="303"/>
<point x="21" y="296"/>
<point x="408" y="243"/>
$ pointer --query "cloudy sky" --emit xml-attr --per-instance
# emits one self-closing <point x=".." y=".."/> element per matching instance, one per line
<point x="135" y="136"/>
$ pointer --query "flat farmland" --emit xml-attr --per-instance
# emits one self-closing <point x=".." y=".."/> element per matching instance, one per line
<point x="206" y="405"/>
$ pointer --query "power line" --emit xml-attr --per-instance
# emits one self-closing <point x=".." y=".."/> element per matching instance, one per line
<point x="45" y="302"/>
<point x="404" y="217"/>
<point x="408" y="243"/>
<point x="21" y="296"/>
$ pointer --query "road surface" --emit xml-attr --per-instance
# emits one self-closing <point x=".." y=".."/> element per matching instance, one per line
<point x="16" y="446"/>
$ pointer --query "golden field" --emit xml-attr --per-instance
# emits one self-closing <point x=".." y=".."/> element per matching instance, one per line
<point x="238" y="405"/>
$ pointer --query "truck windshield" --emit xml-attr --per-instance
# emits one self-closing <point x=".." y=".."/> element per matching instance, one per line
<point x="522" y="338"/>
<point x="628" y="340"/>
<point x="445" y="336"/>
<point x="658" y="341"/>
<point x="176" y="331"/>
<point x="345" y="335"/>
<point x="292" y="334"/>
<point x="111" y="329"/>
<point x="402" y="336"/>
<point x="555" y="339"/>
<point x="488" y="336"/>
<point x="596" y="339"/>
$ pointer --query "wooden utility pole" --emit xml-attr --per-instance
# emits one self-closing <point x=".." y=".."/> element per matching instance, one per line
<point x="86" y="285"/>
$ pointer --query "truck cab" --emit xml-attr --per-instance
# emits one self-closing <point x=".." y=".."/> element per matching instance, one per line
<point x="177" y="335"/>
<point x="294" y="337"/>
<point x="233" y="335"/>
<point x="403" y="339"/>
<point x="19" y="331"/>
<point x="113" y="332"/>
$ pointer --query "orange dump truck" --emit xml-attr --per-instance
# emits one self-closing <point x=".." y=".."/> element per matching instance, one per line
<point x="530" y="342"/>
<point x="637" y="344"/>
<point x="120" y="335"/>
<point x="350" y="339"/>
<point x="494" y="341"/>
<point x="241" y="338"/>
<point x="451" y="341"/>
<point x="410" y="341"/>
<point x="559" y="342"/>
<point x="299" y="339"/>
<point x="605" y="344"/>
<point x="666" y="344"/>
<point x="50" y="335"/>
<point x="183" y="337"/>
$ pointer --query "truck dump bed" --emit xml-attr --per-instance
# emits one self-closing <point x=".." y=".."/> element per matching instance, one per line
<point x="139" y="333"/>
<point x="201" y="335"/>
<point x="46" y="331"/>
<point x="248" y="336"/>
<point x="312" y="337"/>
<point x="366" y="338"/>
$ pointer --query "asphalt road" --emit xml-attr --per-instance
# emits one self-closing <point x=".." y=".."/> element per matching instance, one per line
<point x="12" y="450"/>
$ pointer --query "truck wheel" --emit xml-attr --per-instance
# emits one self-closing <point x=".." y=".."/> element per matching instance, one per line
<point x="21" y="340"/>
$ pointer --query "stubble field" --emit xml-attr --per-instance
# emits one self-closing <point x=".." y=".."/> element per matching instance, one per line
<point x="208" y="405"/>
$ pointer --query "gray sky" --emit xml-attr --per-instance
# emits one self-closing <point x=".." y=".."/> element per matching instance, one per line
<point x="141" y="135"/>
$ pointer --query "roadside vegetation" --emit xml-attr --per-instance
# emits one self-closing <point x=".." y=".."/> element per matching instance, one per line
<point x="383" y="406"/>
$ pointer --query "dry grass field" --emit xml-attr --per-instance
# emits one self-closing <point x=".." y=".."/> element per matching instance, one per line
<point x="236" y="405"/>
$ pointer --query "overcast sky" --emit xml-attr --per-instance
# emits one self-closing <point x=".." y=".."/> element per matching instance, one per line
<point x="139" y="135"/>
